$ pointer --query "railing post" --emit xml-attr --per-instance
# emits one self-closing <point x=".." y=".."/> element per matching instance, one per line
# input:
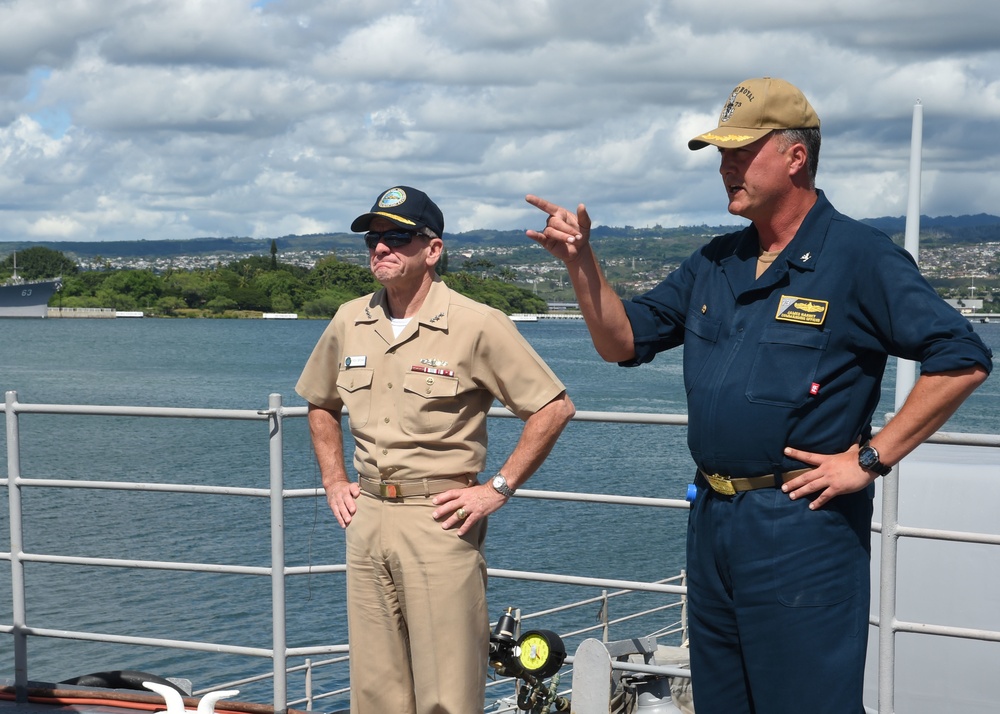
<point x="684" y="609"/>
<point x="16" y="550"/>
<point x="278" y="615"/>
<point x="309" y="684"/>
<point x="605" y="616"/>
<point x="889" y="545"/>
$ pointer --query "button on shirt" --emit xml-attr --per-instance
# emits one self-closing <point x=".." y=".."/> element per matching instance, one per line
<point x="417" y="403"/>
<point x="796" y="357"/>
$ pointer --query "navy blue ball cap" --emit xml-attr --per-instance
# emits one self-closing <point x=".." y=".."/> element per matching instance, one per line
<point x="406" y="207"/>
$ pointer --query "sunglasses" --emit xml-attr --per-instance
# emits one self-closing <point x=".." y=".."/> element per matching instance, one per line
<point x="393" y="238"/>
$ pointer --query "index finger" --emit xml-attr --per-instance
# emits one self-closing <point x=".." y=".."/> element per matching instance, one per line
<point x="540" y="203"/>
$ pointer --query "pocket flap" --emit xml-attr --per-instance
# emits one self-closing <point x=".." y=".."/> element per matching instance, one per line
<point x="430" y="386"/>
<point x="351" y="380"/>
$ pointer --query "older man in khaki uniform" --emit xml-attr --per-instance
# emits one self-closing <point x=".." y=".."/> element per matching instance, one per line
<point x="418" y="366"/>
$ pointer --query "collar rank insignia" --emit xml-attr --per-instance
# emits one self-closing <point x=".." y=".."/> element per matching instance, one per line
<point x="804" y="311"/>
<point x="436" y="317"/>
<point x="805" y="257"/>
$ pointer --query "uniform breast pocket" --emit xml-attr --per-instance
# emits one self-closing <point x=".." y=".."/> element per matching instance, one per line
<point x="430" y="403"/>
<point x="355" y="388"/>
<point x="785" y="366"/>
<point x="701" y="336"/>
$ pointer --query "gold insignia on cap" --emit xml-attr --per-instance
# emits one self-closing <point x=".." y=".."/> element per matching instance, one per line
<point x="727" y="137"/>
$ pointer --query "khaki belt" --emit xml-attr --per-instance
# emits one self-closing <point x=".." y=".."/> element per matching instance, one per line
<point x="409" y="488"/>
<point x="728" y="486"/>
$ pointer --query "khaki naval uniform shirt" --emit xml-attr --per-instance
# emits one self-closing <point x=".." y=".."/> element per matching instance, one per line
<point x="417" y="403"/>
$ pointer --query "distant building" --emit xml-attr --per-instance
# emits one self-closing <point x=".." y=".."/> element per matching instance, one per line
<point x="966" y="305"/>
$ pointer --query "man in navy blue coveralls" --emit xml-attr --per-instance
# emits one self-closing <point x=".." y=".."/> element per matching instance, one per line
<point x="786" y="327"/>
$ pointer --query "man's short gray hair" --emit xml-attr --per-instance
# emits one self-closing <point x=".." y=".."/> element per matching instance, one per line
<point x="810" y="138"/>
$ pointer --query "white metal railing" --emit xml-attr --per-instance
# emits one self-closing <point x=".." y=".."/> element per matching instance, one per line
<point x="20" y="630"/>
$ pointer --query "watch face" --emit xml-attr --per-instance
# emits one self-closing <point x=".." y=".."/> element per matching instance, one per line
<point x="867" y="457"/>
<point x="501" y="487"/>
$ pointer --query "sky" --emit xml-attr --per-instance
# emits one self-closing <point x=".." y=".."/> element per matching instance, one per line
<point x="176" y="119"/>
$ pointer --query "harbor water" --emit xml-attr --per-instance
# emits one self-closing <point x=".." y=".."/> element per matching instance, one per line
<point x="236" y="364"/>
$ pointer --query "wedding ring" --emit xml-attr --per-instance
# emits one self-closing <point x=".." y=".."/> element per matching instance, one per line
<point x="461" y="514"/>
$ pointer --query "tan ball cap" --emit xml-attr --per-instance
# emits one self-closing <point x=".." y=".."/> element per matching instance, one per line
<point x="756" y="108"/>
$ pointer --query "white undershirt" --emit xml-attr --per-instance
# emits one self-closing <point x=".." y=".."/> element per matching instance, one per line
<point x="399" y="324"/>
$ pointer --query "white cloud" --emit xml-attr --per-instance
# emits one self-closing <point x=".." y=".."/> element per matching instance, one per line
<point x="178" y="118"/>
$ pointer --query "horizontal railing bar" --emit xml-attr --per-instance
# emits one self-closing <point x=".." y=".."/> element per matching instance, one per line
<point x="270" y="675"/>
<point x="148" y="641"/>
<point x="325" y="695"/>
<point x="164" y="412"/>
<point x="302" y="492"/>
<point x="580" y="580"/>
<point x="952" y="536"/>
<point x="145" y="564"/>
<point x="958" y="438"/>
<point x="615" y="417"/>
<point x="945" y="631"/>
<point x="669" y="671"/>
<point x="587" y="601"/>
<point x="317" y="650"/>
<point x="144" y="486"/>
<point x="315" y="569"/>
<point x="645" y="613"/>
<point x="603" y="498"/>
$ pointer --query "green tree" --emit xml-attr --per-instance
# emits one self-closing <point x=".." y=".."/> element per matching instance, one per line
<point x="326" y="304"/>
<point x="39" y="262"/>
<point x="280" y="282"/>
<point x="478" y="265"/>
<point x="116" y="300"/>
<point x="282" y="302"/>
<point x="220" y="304"/>
<point x="332" y="274"/>
<point x="170" y="304"/>
<point x="250" y="298"/>
<point x="142" y="287"/>
<point x="274" y="254"/>
<point x="82" y="284"/>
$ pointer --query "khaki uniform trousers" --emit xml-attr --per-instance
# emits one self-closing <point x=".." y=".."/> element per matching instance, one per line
<point x="417" y="616"/>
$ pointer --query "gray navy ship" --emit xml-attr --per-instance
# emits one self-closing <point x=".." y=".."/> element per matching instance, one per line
<point x="22" y="298"/>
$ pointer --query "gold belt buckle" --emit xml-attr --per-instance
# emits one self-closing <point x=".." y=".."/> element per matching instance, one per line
<point x="388" y="490"/>
<point x="720" y="484"/>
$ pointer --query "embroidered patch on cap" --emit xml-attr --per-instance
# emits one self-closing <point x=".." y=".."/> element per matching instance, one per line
<point x="805" y="311"/>
<point x="392" y="197"/>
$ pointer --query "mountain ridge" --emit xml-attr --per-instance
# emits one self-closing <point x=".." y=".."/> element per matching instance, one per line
<point x="938" y="230"/>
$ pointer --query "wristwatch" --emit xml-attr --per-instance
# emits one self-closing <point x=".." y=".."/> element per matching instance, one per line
<point x="499" y="484"/>
<point x="868" y="459"/>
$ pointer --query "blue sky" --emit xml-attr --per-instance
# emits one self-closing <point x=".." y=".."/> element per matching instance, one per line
<point x="128" y="119"/>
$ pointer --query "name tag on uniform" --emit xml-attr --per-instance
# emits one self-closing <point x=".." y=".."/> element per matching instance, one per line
<point x="355" y="361"/>
<point x="805" y="311"/>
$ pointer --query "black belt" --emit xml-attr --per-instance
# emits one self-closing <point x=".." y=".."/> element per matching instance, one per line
<point x="728" y="486"/>
<point x="424" y="487"/>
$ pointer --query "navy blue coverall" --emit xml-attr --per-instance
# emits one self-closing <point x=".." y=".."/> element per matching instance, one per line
<point x="779" y="594"/>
